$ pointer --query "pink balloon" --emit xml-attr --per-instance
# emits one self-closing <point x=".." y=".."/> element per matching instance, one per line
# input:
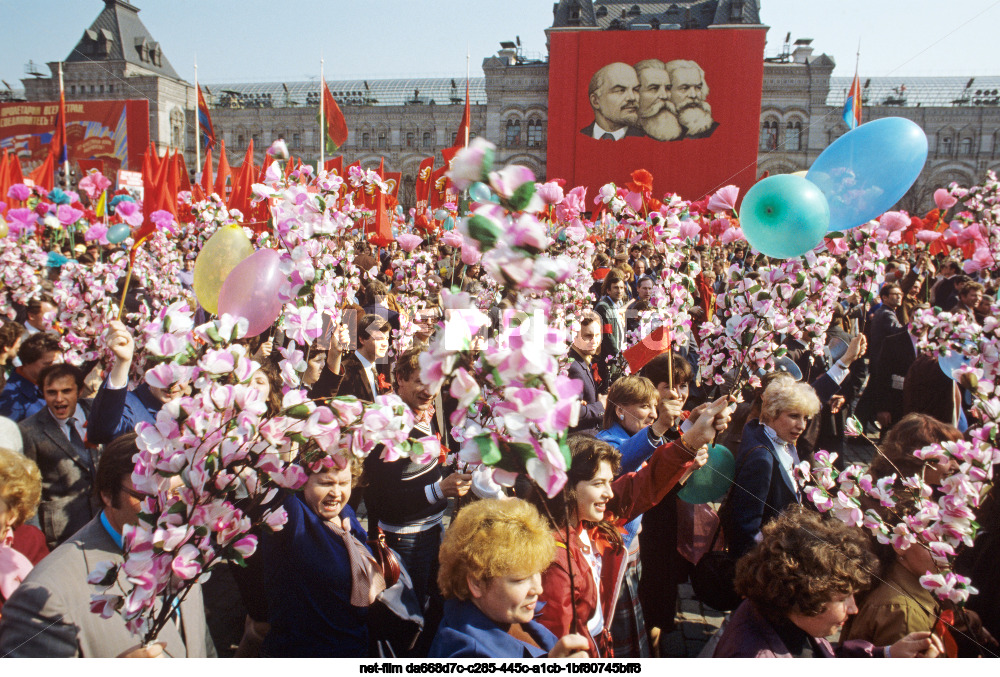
<point x="251" y="290"/>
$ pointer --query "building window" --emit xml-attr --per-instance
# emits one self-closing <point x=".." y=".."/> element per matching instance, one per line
<point x="91" y="89"/>
<point x="946" y="145"/>
<point x="966" y="147"/>
<point x="240" y="141"/>
<point x="177" y="129"/>
<point x="411" y="138"/>
<point x="366" y="140"/>
<point x="382" y="136"/>
<point x="793" y="136"/>
<point x="111" y="89"/>
<point x="513" y="132"/>
<point x="534" y="133"/>
<point x="769" y="136"/>
<point x="101" y="89"/>
<point x="426" y="142"/>
<point x="256" y="139"/>
<point x="72" y="89"/>
<point x="296" y="140"/>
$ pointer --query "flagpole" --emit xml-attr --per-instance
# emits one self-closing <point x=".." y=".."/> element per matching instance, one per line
<point x="322" y="121"/>
<point x="65" y="139"/>
<point x="197" y="114"/>
<point x="469" y="124"/>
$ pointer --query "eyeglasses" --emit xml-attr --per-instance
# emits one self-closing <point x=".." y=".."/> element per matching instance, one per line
<point x="137" y="495"/>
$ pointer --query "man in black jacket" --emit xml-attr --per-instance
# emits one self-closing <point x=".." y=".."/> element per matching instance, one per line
<point x="585" y="369"/>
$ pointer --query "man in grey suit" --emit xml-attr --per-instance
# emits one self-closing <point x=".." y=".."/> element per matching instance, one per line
<point x="49" y="614"/>
<point x="53" y="438"/>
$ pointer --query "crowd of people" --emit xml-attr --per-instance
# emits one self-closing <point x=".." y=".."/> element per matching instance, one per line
<point x="495" y="568"/>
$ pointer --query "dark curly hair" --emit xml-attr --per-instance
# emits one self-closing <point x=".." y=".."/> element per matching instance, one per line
<point x="802" y="562"/>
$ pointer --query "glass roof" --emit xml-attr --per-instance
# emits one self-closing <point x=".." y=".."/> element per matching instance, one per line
<point x="409" y="91"/>
<point x="949" y="92"/>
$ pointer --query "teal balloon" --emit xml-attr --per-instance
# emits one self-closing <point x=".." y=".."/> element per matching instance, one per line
<point x="784" y="216"/>
<point x="710" y="482"/>
<point x="441" y="214"/>
<point x="480" y="192"/>
<point x="118" y="233"/>
<point x="866" y="171"/>
<point x="449" y="223"/>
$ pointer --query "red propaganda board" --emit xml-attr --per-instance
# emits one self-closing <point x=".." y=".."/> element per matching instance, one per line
<point x="683" y="104"/>
<point x="115" y="132"/>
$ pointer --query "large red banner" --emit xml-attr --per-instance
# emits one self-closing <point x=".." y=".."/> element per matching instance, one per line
<point x="683" y="104"/>
<point x="114" y="132"/>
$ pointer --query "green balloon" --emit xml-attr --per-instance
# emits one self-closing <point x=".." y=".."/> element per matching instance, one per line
<point x="710" y="482"/>
<point x="118" y="233"/>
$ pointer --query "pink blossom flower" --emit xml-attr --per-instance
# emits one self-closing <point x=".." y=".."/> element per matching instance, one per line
<point x="724" y="199"/>
<point x="471" y="162"/>
<point x="93" y="184"/>
<point x="408" y="242"/>
<point x="19" y="191"/>
<point x="944" y="200"/>
<point x="67" y="215"/>
<point x="551" y="193"/>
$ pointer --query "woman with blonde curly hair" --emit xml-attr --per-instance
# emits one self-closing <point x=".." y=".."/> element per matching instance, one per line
<point x="22" y="546"/>
<point x="799" y="584"/>
<point x="492" y="558"/>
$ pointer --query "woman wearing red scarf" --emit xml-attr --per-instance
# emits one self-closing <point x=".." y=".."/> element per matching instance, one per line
<point x="581" y="586"/>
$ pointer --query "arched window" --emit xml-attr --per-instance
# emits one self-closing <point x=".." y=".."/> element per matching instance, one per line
<point x="411" y="138"/>
<point x="793" y="136"/>
<point x="946" y="145"/>
<point x="426" y="140"/>
<point x="535" y="139"/>
<point x="383" y="138"/>
<point x="366" y="140"/>
<point x="177" y="129"/>
<point x="513" y="132"/>
<point x="966" y="146"/>
<point x="769" y="135"/>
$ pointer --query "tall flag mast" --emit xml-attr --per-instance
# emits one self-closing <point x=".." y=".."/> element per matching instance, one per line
<point x="322" y="119"/>
<point x="60" y="145"/>
<point x="852" y="106"/>
<point x="197" y="114"/>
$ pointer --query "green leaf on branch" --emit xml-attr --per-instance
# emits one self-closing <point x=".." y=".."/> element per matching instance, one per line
<point x="483" y="231"/>
<point x="488" y="449"/>
<point x="797" y="299"/>
<point x="522" y="196"/>
<point x="299" y="411"/>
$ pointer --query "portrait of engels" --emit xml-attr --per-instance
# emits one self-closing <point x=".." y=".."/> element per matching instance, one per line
<point x="660" y="100"/>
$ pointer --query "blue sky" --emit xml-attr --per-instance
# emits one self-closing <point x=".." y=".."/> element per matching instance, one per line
<point x="253" y="40"/>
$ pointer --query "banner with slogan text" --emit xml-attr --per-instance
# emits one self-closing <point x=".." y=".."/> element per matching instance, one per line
<point x="115" y="132"/>
<point x="683" y="104"/>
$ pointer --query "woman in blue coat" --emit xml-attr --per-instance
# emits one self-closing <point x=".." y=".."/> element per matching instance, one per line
<point x="492" y="558"/>
<point x="764" y="483"/>
<point x="316" y="607"/>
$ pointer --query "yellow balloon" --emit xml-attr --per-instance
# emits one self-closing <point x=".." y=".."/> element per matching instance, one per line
<point x="3" y="228"/>
<point x="801" y="173"/>
<point x="223" y="251"/>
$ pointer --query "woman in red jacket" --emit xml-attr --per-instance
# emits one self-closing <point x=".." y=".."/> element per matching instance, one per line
<point x="22" y="546"/>
<point x="589" y="516"/>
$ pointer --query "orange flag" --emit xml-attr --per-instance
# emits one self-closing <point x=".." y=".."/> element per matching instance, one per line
<point x="42" y="175"/>
<point x="240" y="197"/>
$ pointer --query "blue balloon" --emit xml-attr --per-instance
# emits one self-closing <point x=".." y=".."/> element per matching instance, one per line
<point x="866" y="171"/>
<point x="118" y="233"/>
<point x="952" y="362"/>
<point x="480" y="192"/>
<point x="710" y="482"/>
<point x="784" y="216"/>
<point x="449" y="223"/>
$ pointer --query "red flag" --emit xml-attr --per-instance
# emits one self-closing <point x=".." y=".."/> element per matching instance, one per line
<point x="381" y="233"/>
<point x="336" y="126"/>
<point x="184" y="178"/>
<point x="14" y="173"/>
<point x="393" y="179"/>
<point x="240" y="197"/>
<point x="656" y="343"/>
<point x="423" y="183"/>
<point x="461" y="137"/>
<point x="335" y="165"/>
<point x="289" y="166"/>
<point x="154" y="158"/>
<point x="222" y="175"/>
<point x="87" y="165"/>
<point x="60" y="146"/>
<point x="438" y="187"/>
<point x="206" y="173"/>
<point x="43" y="174"/>
<point x="4" y="176"/>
